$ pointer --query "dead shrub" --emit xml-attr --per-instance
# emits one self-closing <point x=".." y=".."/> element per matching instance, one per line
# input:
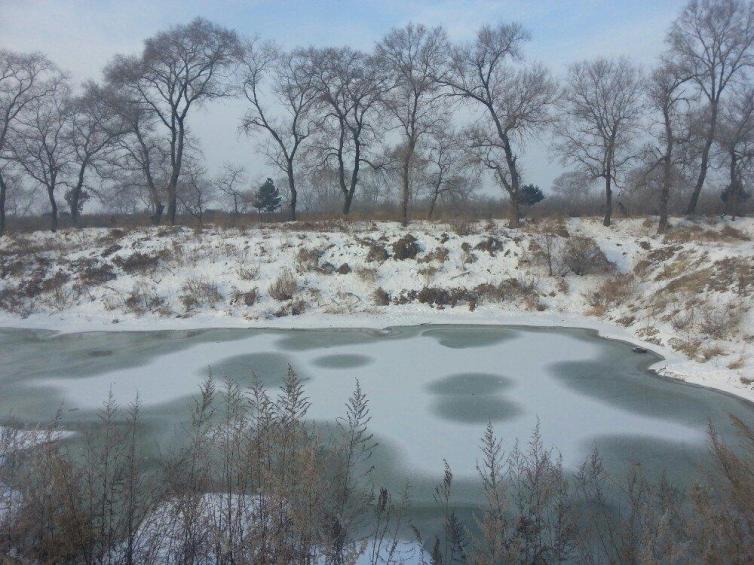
<point x="522" y="287"/>
<point x="491" y="245"/>
<point x="712" y="351"/>
<point x="39" y="284"/>
<point x="682" y="320"/>
<point x="462" y="228"/>
<point x="284" y="287"/>
<point x="467" y="257"/>
<point x="689" y="347"/>
<point x="434" y="296"/>
<point x="612" y="292"/>
<point x="292" y="308"/>
<point x="439" y="254"/>
<point x="198" y="292"/>
<point x="441" y="297"/>
<point x="729" y="232"/>
<point x="737" y="363"/>
<point x="381" y="297"/>
<point x="247" y="298"/>
<point x="11" y="301"/>
<point x="583" y="256"/>
<point x="248" y="272"/>
<point x="93" y="273"/>
<point x="428" y="273"/>
<point x="487" y="292"/>
<point x="719" y="320"/>
<point x="307" y="259"/>
<point x="111" y="249"/>
<point x="137" y="262"/>
<point x="547" y="249"/>
<point x="405" y="248"/>
<point x="367" y="274"/>
<point x="143" y="299"/>
<point x="684" y="234"/>
<point x="377" y="254"/>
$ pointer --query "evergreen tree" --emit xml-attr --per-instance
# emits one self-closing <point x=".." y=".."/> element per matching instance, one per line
<point x="530" y="194"/>
<point x="267" y="198"/>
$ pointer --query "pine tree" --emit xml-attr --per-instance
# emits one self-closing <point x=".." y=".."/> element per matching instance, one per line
<point x="267" y="198"/>
<point x="530" y="194"/>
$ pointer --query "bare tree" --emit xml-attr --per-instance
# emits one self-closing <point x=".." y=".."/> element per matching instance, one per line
<point x="195" y="191"/>
<point x="574" y="188"/>
<point x="141" y="158"/>
<point x="711" y="42"/>
<point x="736" y="138"/>
<point x="293" y="89"/>
<point x="94" y="126"/>
<point x="666" y="95"/>
<point x="350" y="88"/>
<point x="230" y="183"/>
<point x="40" y="144"/>
<point x="600" y="111"/>
<point x="516" y="100"/>
<point x="22" y="82"/>
<point x="178" y="69"/>
<point x="412" y="56"/>
<point x="445" y="164"/>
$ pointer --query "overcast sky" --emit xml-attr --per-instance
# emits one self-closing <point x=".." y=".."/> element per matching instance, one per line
<point x="82" y="36"/>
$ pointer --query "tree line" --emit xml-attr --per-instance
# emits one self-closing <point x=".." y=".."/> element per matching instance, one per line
<point x="419" y="111"/>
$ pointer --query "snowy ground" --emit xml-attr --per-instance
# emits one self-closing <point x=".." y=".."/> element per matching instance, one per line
<point x="687" y="295"/>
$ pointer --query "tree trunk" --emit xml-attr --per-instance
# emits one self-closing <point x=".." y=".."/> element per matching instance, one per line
<point x="294" y="195"/>
<point x="157" y="216"/>
<point x="691" y="210"/>
<point x="734" y="190"/>
<point x="53" y="209"/>
<point x="347" y="203"/>
<point x="405" y="180"/>
<point x="664" y="195"/>
<point x="75" y="197"/>
<point x="432" y="204"/>
<point x="354" y="178"/>
<point x="2" y="204"/>
<point x="667" y="172"/>
<point x="172" y="202"/>
<point x="608" y="200"/>
<point x="515" y="215"/>
<point x="515" y="185"/>
<point x="177" y="161"/>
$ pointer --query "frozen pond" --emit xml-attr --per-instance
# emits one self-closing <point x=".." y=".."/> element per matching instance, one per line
<point x="432" y="389"/>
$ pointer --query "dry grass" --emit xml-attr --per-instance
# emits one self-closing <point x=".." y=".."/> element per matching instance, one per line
<point x="612" y="292"/>
<point x="439" y="254"/>
<point x="292" y="308"/>
<point x="406" y="247"/>
<point x="198" y="292"/>
<point x="137" y="262"/>
<point x="583" y="256"/>
<point x="367" y="274"/>
<point x="428" y="273"/>
<point x="307" y="259"/>
<point x="381" y="297"/>
<point x="701" y="234"/>
<point x="689" y="347"/>
<point x="719" y="320"/>
<point x="144" y="298"/>
<point x="248" y="272"/>
<point x="284" y="287"/>
<point x="247" y="298"/>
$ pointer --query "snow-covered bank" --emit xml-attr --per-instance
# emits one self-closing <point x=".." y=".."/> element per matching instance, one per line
<point x="687" y="295"/>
